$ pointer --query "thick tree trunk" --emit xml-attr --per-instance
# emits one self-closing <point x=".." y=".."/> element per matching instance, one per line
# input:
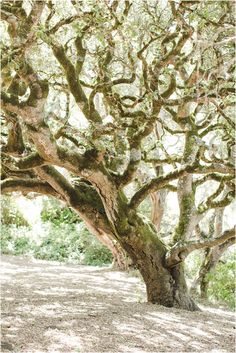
<point x="138" y="238"/>
<point x="167" y="288"/>
<point x="164" y="286"/>
<point x="182" y="298"/>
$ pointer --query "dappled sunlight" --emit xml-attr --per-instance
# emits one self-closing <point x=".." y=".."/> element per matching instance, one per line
<point x="54" y="308"/>
<point x="58" y="291"/>
<point x="180" y="336"/>
<point x="120" y="276"/>
<point x="219" y="311"/>
<point x="43" y="310"/>
<point x="61" y="340"/>
<point x="188" y="333"/>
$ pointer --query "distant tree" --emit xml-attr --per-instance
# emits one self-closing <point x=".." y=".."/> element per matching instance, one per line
<point x="141" y="74"/>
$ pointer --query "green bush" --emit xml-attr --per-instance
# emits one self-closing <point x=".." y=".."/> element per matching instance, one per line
<point x="15" y="240"/>
<point x="222" y="282"/>
<point x="59" y="243"/>
<point x="221" y="286"/>
<point x="56" y="213"/>
<point x="63" y="237"/>
<point x="6" y="239"/>
<point x="97" y="255"/>
<point x="65" y="243"/>
<point x="22" y="245"/>
<point x="94" y="253"/>
<point x="10" y="215"/>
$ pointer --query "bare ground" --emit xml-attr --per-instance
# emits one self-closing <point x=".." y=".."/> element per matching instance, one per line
<point x="53" y="307"/>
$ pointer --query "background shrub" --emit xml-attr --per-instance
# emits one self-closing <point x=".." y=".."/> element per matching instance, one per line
<point x="59" y="243"/>
<point x="60" y="235"/>
<point x="10" y="214"/>
<point x="15" y="240"/>
<point x="94" y="252"/>
<point x="55" y="212"/>
<point x="222" y="282"/>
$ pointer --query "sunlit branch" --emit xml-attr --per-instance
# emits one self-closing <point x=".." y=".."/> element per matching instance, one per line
<point x="26" y="186"/>
<point x="180" y="251"/>
<point x="22" y="163"/>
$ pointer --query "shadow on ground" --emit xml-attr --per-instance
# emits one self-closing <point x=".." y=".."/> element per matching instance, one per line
<point x="49" y="307"/>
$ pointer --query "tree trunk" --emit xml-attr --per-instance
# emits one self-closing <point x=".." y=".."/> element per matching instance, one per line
<point x="164" y="286"/>
<point x="158" y="204"/>
<point x="139" y="239"/>
<point x="211" y="258"/>
<point x="206" y="267"/>
<point x="181" y="294"/>
<point x="167" y="288"/>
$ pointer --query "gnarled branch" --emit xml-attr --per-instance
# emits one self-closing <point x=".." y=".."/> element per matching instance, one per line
<point x="179" y="251"/>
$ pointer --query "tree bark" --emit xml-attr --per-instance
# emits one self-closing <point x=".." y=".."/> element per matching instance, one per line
<point x="164" y="286"/>
<point x="207" y="265"/>
<point x="167" y="288"/>
<point x="158" y="205"/>
<point x="139" y="238"/>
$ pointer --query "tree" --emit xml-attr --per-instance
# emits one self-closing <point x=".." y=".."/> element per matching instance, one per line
<point x="141" y="74"/>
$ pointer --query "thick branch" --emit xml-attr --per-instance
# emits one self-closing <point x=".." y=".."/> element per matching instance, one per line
<point x="22" y="163"/>
<point x="157" y="184"/>
<point x="26" y="186"/>
<point x="83" y="198"/>
<point x="160" y="182"/>
<point x="180" y="251"/>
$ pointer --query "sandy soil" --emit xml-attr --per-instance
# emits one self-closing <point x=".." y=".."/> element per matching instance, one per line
<point x="52" y="307"/>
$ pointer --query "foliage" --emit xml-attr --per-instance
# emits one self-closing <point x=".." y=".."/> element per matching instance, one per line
<point x="10" y="214"/>
<point x="62" y="242"/>
<point x="83" y="247"/>
<point x="15" y="240"/>
<point x="57" y="213"/>
<point x="222" y="282"/>
<point x="62" y="236"/>
<point x="59" y="243"/>
<point x="192" y="264"/>
<point x="94" y="253"/>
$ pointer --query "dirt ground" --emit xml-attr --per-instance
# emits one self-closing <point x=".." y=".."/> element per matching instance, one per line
<point x="53" y="307"/>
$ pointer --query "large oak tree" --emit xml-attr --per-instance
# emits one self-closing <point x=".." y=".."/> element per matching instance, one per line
<point x="140" y="73"/>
